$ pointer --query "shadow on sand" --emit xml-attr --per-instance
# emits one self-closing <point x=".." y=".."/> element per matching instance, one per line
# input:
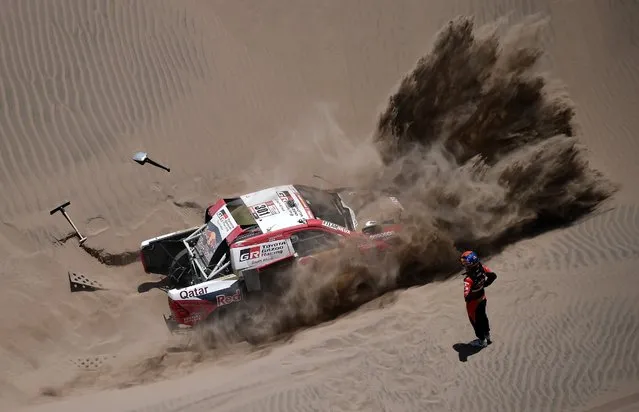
<point x="162" y="284"/>
<point x="466" y="350"/>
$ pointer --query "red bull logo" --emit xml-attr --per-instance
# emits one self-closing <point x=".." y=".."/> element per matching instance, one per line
<point x="211" y="239"/>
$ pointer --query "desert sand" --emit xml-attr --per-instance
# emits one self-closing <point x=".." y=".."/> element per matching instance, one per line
<point x="241" y="94"/>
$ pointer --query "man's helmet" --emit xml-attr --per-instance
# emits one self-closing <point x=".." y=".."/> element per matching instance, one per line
<point x="469" y="259"/>
<point x="371" y="227"/>
<point x="471" y="262"/>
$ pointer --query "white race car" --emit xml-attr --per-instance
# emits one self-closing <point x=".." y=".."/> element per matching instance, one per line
<point x="246" y="241"/>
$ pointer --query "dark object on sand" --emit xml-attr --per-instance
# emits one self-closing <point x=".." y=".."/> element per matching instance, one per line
<point x="142" y="158"/>
<point x="64" y="212"/>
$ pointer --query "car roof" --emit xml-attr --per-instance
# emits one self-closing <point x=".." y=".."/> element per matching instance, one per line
<point x="278" y="207"/>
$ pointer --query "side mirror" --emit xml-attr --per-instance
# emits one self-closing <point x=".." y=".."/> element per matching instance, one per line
<point x="252" y="280"/>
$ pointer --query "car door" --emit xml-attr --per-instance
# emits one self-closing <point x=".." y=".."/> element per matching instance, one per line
<point x="309" y="244"/>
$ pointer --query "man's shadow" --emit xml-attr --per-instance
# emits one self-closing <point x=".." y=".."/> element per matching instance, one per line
<point x="466" y="350"/>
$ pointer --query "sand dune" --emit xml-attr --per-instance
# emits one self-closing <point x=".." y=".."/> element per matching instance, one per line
<point x="237" y="95"/>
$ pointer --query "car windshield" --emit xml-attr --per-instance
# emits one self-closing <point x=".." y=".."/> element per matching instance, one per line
<point x="241" y="213"/>
<point x="325" y="205"/>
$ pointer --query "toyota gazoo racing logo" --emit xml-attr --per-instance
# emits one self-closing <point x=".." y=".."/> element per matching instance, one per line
<point x="264" y="251"/>
<point x="273" y="249"/>
<point x="250" y="253"/>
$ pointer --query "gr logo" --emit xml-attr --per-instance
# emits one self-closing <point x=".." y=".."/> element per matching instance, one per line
<point x="249" y="253"/>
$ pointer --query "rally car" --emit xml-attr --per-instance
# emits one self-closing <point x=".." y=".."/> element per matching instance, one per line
<point x="246" y="241"/>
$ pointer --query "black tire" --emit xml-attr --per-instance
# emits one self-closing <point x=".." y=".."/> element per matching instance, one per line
<point x="181" y="271"/>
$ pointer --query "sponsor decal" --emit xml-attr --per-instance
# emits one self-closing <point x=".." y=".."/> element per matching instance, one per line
<point x="196" y="317"/>
<point x="224" y="221"/>
<point x="193" y="293"/>
<point x="211" y="238"/>
<point x="264" y="252"/>
<point x="285" y="196"/>
<point x="249" y="253"/>
<point x="222" y="300"/>
<point x="262" y="210"/>
<point x="288" y="202"/>
<point x="269" y="250"/>
<point x="273" y="248"/>
<point x="335" y="227"/>
<point x="383" y="235"/>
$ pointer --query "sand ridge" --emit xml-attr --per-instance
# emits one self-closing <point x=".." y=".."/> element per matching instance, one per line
<point x="207" y="85"/>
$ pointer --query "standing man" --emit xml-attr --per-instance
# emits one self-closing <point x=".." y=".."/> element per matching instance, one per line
<point x="476" y="278"/>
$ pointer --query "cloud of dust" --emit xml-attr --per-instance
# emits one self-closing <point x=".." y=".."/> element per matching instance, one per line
<point x="313" y="151"/>
<point x="478" y="144"/>
<point x="480" y="150"/>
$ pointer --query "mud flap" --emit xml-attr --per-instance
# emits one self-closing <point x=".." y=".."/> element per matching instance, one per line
<point x="80" y="283"/>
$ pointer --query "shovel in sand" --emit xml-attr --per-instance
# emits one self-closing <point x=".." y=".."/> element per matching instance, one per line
<point x="62" y="210"/>
<point x="142" y="158"/>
